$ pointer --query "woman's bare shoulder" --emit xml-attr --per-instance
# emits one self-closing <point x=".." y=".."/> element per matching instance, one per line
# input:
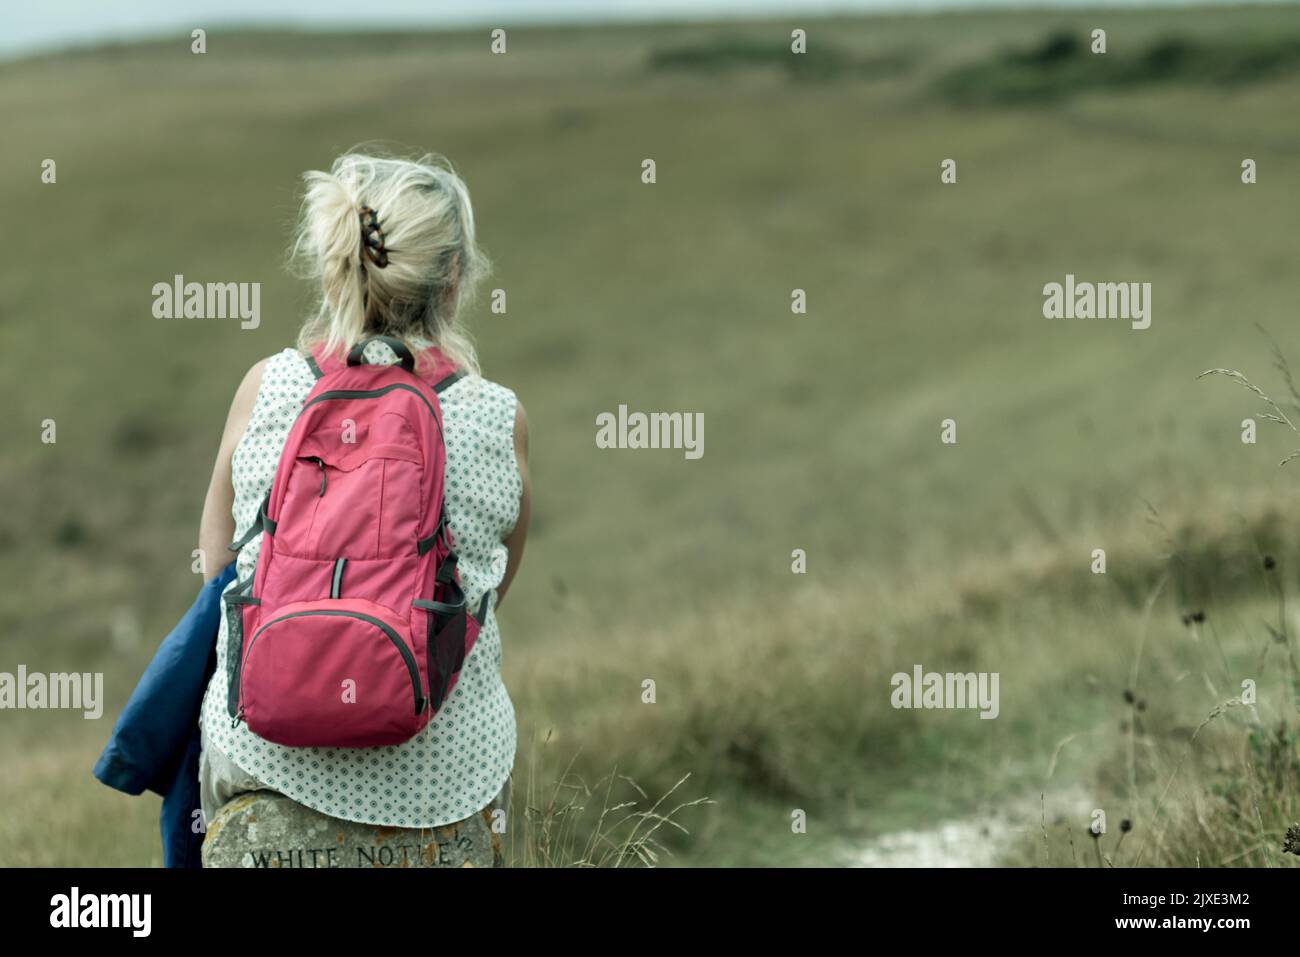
<point x="246" y="394"/>
<point x="241" y="407"/>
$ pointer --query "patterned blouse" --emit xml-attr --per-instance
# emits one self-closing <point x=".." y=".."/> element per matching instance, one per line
<point x="462" y="758"/>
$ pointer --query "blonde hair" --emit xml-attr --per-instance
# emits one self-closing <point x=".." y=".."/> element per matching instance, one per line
<point x="434" y="264"/>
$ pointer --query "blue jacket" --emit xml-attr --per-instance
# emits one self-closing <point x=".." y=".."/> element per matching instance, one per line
<point x="155" y="742"/>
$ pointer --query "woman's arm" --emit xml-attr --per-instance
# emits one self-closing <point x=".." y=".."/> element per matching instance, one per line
<point x="217" y="526"/>
<point x="515" y="540"/>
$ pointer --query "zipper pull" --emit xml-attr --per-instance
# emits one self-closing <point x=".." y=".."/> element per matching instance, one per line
<point x="234" y="722"/>
<point x="321" y="463"/>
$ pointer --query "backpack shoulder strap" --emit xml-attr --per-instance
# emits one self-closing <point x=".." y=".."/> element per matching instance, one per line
<point x="446" y="382"/>
<point x="313" y="365"/>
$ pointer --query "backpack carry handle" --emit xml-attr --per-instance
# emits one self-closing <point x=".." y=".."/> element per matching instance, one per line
<point x="397" y="345"/>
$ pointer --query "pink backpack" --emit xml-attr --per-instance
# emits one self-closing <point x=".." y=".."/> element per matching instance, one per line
<point x="353" y="629"/>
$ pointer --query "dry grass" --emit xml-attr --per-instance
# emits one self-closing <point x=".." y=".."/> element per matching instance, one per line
<point x="610" y="822"/>
<point x="1225" y="792"/>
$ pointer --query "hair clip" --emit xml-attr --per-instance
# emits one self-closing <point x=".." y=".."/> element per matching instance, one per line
<point x="372" y="238"/>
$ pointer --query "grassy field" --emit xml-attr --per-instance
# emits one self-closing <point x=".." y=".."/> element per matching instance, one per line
<point x="822" y="429"/>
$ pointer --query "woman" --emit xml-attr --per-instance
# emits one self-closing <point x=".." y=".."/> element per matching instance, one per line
<point x="391" y="243"/>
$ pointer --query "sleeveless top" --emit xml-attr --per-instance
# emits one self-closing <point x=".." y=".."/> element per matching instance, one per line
<point x="460" y="761"/>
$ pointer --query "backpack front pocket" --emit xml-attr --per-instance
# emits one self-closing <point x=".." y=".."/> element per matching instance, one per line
<point x="360" y="500"/>
<point x="334" y="673"/>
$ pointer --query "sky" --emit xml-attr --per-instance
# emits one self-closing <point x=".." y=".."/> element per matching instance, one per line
<point x="29" y="26"/>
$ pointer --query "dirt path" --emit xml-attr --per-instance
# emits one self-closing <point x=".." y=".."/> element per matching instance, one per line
<point x="976" y="841"/>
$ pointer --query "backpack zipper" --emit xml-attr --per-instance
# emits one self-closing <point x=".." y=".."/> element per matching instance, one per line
<point x="373" y="394"/>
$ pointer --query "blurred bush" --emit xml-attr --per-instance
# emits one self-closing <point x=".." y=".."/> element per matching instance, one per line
<point x="1063" y="65"/>
<point x="723" y="54"/>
